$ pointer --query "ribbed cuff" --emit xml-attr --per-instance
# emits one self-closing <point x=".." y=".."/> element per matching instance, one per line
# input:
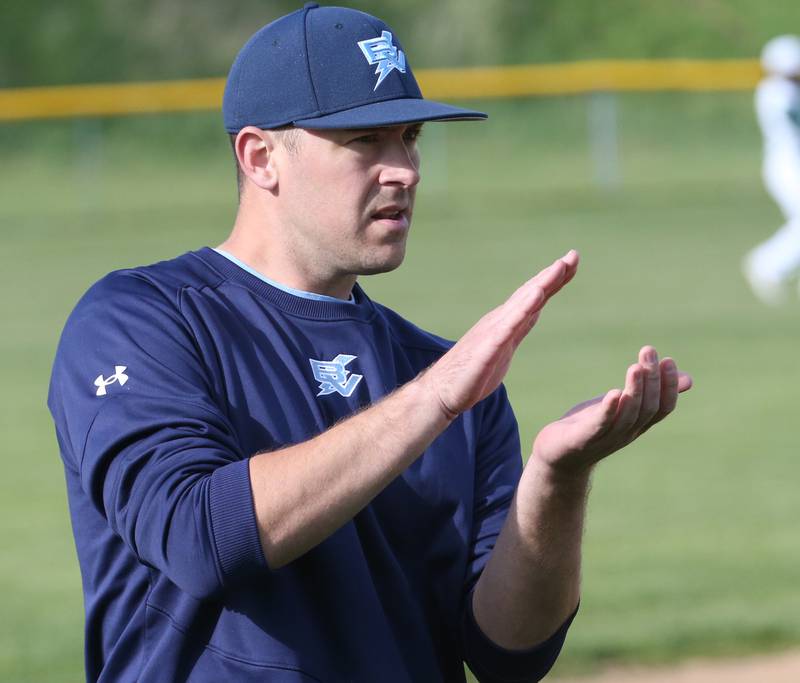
<point x="233" y="521"/>
<point x="493" y="664"/>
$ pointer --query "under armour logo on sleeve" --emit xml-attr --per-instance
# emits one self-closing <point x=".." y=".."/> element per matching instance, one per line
<point x="332" y="376"/>
<point x="119" y="376"/>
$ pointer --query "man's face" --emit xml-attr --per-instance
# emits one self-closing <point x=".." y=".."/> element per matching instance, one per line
<point x="347" y="198"/>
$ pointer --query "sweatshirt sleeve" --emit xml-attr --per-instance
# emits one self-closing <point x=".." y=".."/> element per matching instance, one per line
<point x="156" y="456"/>
<point x="493" y="664"/>
<point x="498" y="470"/>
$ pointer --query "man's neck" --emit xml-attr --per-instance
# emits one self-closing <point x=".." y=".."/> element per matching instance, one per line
<point x="288" y="279"/>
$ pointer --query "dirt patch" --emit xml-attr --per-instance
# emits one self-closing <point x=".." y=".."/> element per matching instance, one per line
<point x="783" y="668"/>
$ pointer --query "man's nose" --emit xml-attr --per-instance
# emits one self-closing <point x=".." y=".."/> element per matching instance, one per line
<point x="401" y="166"/>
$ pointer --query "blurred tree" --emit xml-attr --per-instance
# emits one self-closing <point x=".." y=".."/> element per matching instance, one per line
<point x="47" y="42"/>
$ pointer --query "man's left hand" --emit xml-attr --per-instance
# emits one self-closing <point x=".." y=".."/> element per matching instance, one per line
<point x="596" y="428"/>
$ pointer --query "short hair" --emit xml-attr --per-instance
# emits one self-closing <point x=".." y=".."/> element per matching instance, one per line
<point x="287" y="136"/>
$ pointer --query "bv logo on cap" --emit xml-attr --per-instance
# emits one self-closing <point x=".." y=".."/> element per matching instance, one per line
<point x="380" y="51"/>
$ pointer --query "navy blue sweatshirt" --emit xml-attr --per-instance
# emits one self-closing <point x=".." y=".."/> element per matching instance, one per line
<point x="166" y="380"/>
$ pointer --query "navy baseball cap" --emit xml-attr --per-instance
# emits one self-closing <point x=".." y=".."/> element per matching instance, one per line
<point x="327" y="67"/>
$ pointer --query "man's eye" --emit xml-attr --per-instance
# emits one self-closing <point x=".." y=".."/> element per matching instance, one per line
<point x="367" y="139"/>
<point x="413" y="134"/>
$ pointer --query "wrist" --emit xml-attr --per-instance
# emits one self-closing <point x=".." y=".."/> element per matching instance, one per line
<point x="557" y="476"/>
<point x="545" y="493"/>
<point x="431" y="397"/>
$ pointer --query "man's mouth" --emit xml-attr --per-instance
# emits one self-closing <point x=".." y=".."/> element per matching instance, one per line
<point x="392" y="213"/>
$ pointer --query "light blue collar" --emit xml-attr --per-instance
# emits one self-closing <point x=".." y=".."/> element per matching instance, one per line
<point x="289" y="290"/>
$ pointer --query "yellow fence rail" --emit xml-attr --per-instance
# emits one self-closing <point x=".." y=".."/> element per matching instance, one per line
<point x="450" y="84"/>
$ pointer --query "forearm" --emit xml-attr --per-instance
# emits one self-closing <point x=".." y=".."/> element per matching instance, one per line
<point x="531" y="583"/>
<point x="304" y="493"/>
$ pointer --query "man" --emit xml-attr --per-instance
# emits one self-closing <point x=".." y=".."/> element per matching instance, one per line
<point x="771" y="265"/>
<point x="273" y="478"/>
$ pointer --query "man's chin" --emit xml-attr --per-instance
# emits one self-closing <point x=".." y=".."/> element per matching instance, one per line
<point x="385" y="265"/>
<point x="378" y="269"/>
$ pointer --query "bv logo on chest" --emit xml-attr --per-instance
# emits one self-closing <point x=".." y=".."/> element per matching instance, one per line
<point x="333" y="377"/>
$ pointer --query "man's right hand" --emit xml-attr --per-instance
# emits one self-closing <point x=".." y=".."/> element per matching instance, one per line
<point x="476" y="365"/>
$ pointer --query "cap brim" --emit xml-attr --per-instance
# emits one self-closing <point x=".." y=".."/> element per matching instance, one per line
<point x="391" y="113"/>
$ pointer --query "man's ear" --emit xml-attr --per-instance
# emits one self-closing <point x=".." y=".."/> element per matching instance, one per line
<point x="255" y="154"/>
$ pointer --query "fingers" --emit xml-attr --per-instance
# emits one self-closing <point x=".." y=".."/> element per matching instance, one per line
<point x="650" y="394"/>
<point x="558" y="274"/>
<point x="547" y="281"/>
<point x="505" y="327"/>
<point x="521" y="311"/>
<point x="609" y="407"/>
<point x="630" y="401"/>
<point x="651" y="387"/>
<point x="669" y="388"/>
<point x="571" y="259"/>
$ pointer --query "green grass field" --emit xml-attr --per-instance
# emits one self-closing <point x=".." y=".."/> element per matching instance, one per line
<point x="691" y="547"/>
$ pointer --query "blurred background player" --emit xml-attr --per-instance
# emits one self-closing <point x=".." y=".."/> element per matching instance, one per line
<point x="769" y="266"/>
